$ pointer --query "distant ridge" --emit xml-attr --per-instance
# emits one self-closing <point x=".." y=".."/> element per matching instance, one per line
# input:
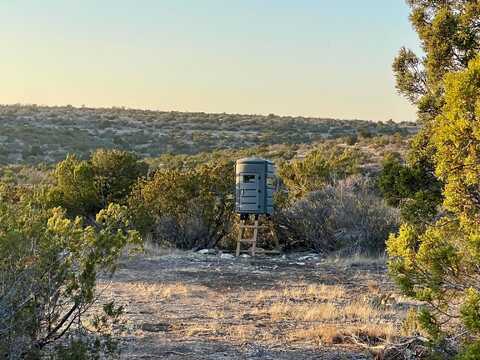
<point x="32" y="134"/>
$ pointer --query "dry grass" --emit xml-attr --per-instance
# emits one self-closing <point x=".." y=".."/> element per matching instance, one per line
<point x="317" y="334"/>
<point x="327" y="311"/>
<point x="291" y="310"/>
<point x="262" y="295"/>
<point x="321" y="314"/>
<point x="242" y="333"/>
<point x="318" y="292"/>
<point x="360" y="311"/>
<point x="157" y="291"/>
<point x="207" y="329"/>
<point x="216" y="314"/>
<point x="236" y="333"/>
<point x="317" y="312"/>
<point x="302" y="312"/>
<point x="302" y="292"/>
<point x="373" y="287"/>
<point x="335" y="334"/>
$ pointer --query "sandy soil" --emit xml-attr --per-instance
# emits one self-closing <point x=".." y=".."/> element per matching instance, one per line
<point x="210" y="306"/>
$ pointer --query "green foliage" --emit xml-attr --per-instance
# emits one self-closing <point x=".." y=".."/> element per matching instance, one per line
<point x="457" y="139"/>
<point x="83" y="187"/>
<point x="422" y="262"/>
<point x="470" y="310"/>
<point x="75" y="188"/>
<point x="470" y="352"/>
<point x="115" y="172"/>
<point x="429" y="323"/>
<point x="191" y="208"/>
<point x="439" y="264"/>
<point x="448" y="34"/>
<point x="417" y="192"/>
<point x="80" y="344"/>
<point x="320" y="167"/>
<point x="48" y="269"/>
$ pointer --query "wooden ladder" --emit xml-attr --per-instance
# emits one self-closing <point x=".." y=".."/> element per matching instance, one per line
<point x="253" y="241"/>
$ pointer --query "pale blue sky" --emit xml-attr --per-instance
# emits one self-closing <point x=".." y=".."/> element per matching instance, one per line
<point x="296" y="57"/>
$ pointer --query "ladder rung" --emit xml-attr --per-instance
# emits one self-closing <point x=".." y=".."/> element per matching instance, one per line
<point x="252" y="241"/>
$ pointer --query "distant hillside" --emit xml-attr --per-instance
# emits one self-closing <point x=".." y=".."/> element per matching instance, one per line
<point x="35" y="134"/>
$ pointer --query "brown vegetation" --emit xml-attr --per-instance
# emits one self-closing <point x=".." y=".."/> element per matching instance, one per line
<point x="189" y="306"/>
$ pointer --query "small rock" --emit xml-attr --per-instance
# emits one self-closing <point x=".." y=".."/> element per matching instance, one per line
<point x="300" y="263"/>
<point x="158" y="327"/>
<point x="248" y="317"/>
<point x="227" y="256"/>
<point x="144" y="312"/>
<point x="308" y="257"/>
<point x="204" y="251"/>
<point x="245" y="256"/>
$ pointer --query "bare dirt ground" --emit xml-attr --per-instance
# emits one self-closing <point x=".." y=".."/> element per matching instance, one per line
<point x="210" y="306"/>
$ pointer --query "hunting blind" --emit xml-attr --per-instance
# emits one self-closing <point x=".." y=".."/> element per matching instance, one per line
<point x="255" y="186"/>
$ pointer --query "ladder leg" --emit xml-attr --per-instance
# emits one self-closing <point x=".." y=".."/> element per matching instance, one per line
<point x="255" y="234"/>
<point x="239" y="240"/>
<point x="275" y="239"/>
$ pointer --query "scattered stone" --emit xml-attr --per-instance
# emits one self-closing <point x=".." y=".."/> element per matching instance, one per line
<point x="206" y="251"/>
<point x="143" y="311"/>
<point x="245" y="256"/>
<point x="158" y="327"/>
<point x="227" y="256"/>
<point x="300" y="263"/>
<point x="249" y="317"/>
<point x="308" y="257"/>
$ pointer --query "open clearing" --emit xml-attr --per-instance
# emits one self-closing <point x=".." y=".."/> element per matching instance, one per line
<point x="204" y="306"/>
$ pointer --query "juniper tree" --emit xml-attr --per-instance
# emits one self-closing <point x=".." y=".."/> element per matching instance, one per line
<point x="83" y="187"/>
<point x="48" y="270"/>
<point x="438" y="261"/>
<point x="448" y="31"/>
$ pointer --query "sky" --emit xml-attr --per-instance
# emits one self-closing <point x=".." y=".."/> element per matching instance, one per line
<point x="287" y="57"/>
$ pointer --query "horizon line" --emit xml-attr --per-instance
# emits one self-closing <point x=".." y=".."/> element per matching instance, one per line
<point x="122" y="107"/>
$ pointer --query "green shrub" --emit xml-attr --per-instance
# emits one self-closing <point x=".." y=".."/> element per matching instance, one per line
<point x="417" y="192"/>
<point x="48" y="270"/>
<point x="83" y="187"/>
<point x="115" y="172"/>
<point x="319" y="168"/>
<point x="470" y="352"/>
<point x="190" y="208"/>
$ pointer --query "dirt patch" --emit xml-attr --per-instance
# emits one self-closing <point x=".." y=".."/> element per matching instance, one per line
<point x="200" y="306"/>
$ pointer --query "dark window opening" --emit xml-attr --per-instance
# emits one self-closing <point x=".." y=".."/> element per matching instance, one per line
<point x="248" y="179"/>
